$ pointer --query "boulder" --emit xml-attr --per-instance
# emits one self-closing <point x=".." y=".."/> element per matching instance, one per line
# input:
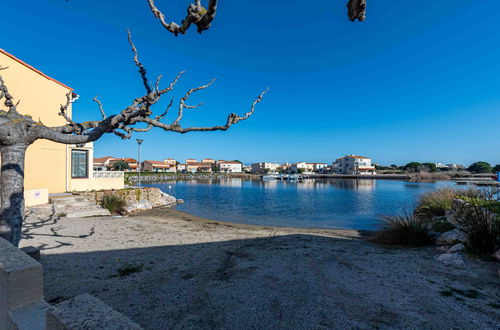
<point x="168" y="200"/>
<point x="496" y="255"/>
<point x="451" y="237"/>
<point x="444" y="248"/>
<point x="457" y="248"/>
<point x="452" y="259"/>
<point x="141" y="205"/>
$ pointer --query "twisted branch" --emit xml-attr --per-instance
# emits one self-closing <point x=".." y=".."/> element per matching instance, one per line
<point x="356" y="9"/>
<point x="122" y="123"/>
<point x="182" y="103"/>
<point x="101" y="109"/>
<point x="202" y="18"/>
<point x="196" y="14"/>
<point x="4" y="93"/>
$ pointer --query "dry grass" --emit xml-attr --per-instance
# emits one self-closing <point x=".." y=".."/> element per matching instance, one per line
<point x="435" y="203"/>
<point x="404" y="229"/>
<point x="481" y="225"/>
<point x="429" y="177"/>
<point x="113" y="203"/>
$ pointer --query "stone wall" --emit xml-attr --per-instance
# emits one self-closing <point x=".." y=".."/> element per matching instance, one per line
<point x="136" y="199"/>
<point x="21" y="290"/>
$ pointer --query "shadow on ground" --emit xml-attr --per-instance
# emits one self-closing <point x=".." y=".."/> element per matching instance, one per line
<point x="288" y="281"/>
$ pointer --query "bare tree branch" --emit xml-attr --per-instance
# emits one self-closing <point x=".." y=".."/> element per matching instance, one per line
<point x="183" y="105"/>
<point x="9" y="100"/>
<point x="356" y="9"/>
<point x="96" y="100"/>
<point x="142" y="70"/>
<point x="196" y="14"/>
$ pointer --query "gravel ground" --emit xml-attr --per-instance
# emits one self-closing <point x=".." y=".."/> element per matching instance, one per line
<point x="166" y="269"/>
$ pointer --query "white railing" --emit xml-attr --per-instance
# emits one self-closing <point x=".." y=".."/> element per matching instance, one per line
<point x="108" y="174"/>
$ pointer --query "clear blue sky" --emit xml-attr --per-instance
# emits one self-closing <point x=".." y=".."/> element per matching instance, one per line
<point x="418" y="80"/>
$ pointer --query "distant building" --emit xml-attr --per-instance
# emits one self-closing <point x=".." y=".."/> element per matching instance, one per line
<point x="170" y="161"/>
<point x="352" y="164"/>
<point x="158" y="166"/>
<point x="191" y="160"/>
<point x="181" y="168"/>
<point x="102" y="163"/>
<point x="106" y="163"/>
<point x="306" y="168"/>
<point x="455" y="167"/>
<point x="441" y="166"/>
<point x="301" y="167"/>
<point x="262" y="168"/>
<point x="208" y="160"/>
<point x="229" y="166"/>
<point x="194" y="167"/>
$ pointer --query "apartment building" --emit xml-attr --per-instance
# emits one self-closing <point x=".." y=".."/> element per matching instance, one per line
<point x="353" y="164"/>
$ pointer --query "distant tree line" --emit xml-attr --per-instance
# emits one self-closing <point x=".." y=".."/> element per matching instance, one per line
<point x="414" y="167"/>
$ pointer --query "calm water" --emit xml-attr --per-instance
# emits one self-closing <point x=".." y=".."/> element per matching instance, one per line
<point x="334" y="203"/>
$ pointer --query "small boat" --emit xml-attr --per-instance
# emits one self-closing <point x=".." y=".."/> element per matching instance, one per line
<point x="270" y="177"/>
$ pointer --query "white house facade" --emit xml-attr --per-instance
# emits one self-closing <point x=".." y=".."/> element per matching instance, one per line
<point x="229" y="166"/>
<point x="354" y="165"/>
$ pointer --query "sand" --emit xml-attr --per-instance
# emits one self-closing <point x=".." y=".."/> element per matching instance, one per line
<point x="189" y="272"/>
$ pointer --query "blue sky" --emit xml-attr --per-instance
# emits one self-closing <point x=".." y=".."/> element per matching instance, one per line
<point x="417" y="81"/>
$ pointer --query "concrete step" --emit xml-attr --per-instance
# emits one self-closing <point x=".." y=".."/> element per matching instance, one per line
<point x="67" y="199"/>
<point x="90" y="212"/>
<point x="75" y="204"/>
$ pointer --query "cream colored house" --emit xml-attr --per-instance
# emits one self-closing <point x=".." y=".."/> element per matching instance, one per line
<point x="198" y="167"/>
<point x="354" y="165"/>
<point x="51" y="167"/>
<point x="158" y="166"/>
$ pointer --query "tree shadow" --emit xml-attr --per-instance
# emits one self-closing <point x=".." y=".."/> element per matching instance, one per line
<point x="290" y="281"/>
<point x="33" y="224"/>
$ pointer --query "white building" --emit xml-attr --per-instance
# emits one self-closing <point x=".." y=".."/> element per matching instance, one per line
<point x="229" y="166"/>
<point x="306" y="168"/>
<point x="352" y="164"/>
<point x="262" y="168"/>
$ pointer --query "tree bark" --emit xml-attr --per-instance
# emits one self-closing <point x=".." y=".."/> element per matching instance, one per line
<point x="12" y="192"/>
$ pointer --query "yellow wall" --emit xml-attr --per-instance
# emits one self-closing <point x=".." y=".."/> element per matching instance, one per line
<point x="39" y="97"/>
<point x="48" y="164"/>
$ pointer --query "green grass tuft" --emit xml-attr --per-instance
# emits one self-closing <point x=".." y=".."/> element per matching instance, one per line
<point x="113" y="203"/>
<point x="404" y="229"/>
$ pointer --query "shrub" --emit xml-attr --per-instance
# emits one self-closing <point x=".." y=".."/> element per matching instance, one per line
<point x="480" y="224"/>
<point x="113" y="203"/>
<point x="435" y="203"/>
<point x="404" y="229"/>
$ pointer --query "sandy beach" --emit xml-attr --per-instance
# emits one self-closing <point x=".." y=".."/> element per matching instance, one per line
<point x="166" y="269"/>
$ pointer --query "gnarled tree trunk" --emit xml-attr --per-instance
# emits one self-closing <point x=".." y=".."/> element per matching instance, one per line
<point x="12" y="191"/>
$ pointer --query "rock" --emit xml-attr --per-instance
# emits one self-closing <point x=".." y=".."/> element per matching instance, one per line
<point x="452" y="259"/>
<point x="496" y="256"/>
<point x="141" y="205"/>
<point x="168" y="200"/>
<point x="32" y="252"/>
<point x="457" y="248"/>
<point x="444" y="248"/>
<point x="87" y="312"/>
<point x="451" y="237"/>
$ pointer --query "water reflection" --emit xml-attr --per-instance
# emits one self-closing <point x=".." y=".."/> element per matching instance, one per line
<point x="333" y="203"/>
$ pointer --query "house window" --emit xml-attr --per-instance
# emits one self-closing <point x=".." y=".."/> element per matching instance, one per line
<point x="79" y="163"/>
